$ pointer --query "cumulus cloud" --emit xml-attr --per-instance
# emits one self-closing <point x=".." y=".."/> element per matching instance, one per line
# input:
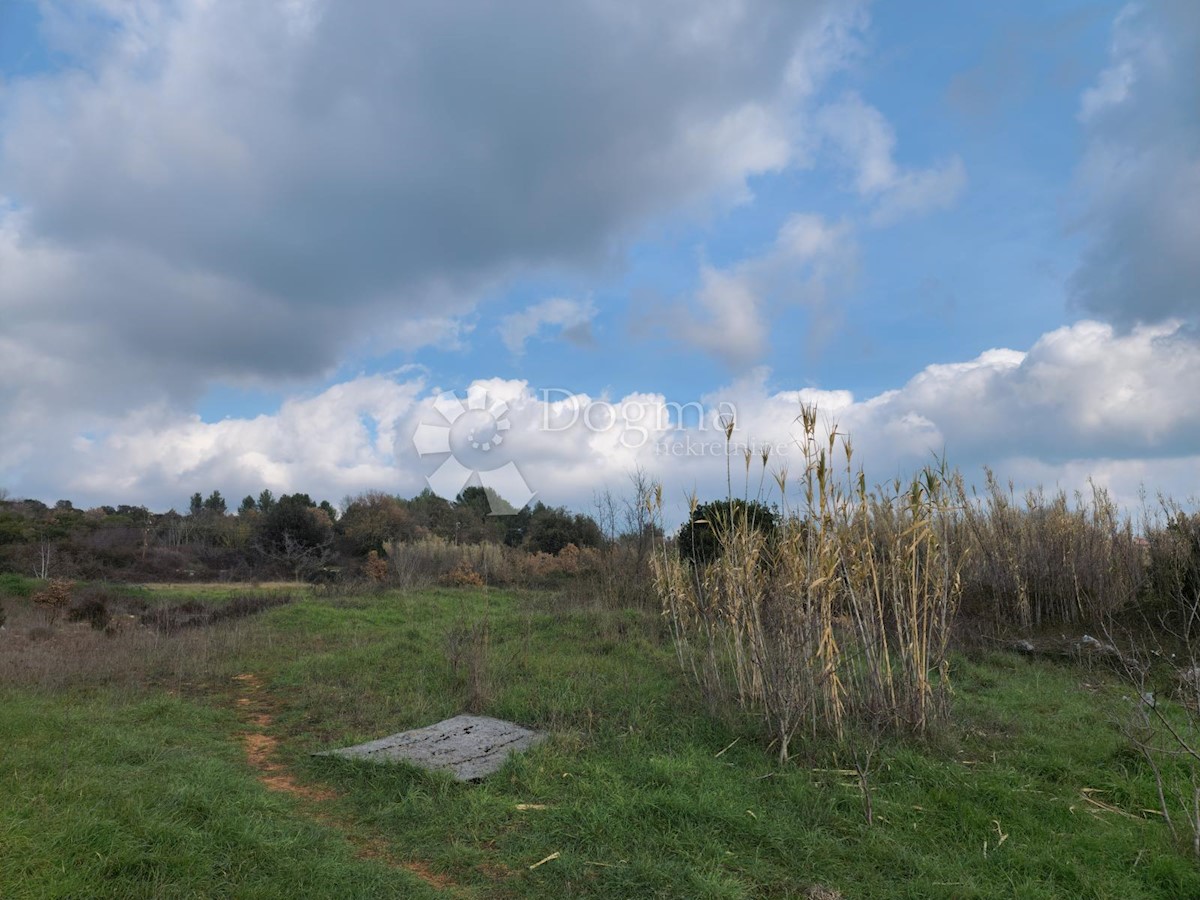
<point x="1084" y="401"/>
<point x="571" y="319"/>
<point x="864" y="142"/>
<point x="1139" y="181"/>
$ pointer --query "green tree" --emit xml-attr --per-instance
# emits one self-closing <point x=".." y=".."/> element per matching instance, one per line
<point x="699" y="540"/>
<point x="552" y="528"/>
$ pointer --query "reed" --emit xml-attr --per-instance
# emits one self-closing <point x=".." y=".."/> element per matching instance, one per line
<point x="841" y="617"/>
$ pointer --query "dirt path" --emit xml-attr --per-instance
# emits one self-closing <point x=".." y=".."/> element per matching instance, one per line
<point x="254" y="708"/>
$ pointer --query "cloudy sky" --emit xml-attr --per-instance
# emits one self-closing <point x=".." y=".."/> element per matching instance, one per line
<point x="258" y="245"/>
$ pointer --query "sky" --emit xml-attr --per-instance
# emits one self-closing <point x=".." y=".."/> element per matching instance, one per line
<point x="332" y="247"/>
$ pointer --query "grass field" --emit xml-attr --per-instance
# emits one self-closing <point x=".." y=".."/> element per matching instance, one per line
<point x="179" y="766"/>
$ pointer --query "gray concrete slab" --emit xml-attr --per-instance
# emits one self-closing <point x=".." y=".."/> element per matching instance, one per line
<point x="469" y="747"/>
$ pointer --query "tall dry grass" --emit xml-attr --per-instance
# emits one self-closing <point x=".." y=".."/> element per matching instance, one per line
<point x="1043" y="559"/>
<point x="840" y="618"/>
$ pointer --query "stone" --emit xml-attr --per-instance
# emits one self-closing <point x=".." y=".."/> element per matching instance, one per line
<point x="468" y="747"/>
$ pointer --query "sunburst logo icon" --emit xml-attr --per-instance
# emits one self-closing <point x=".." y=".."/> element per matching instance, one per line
<point x="473" y="432"/>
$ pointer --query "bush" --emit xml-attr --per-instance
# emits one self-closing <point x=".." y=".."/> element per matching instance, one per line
<point x="701" y="538"/>
<point x="14" y="585"/>
<point x="463" y="576"/>
<point x="53" y="598"/>
<point x="1172" y="554"/>
<point x="91" y="607"/>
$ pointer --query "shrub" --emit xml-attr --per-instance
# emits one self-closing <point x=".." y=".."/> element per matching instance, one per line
<point x="53" y="598"/>
<point x="91" y="607"/>
<point x="376" y="568"/>
<point x="701" y="538"/>
<point x="463" y="576"/>
<point x="1172" y="554"/>
<point x="14" y="585"/>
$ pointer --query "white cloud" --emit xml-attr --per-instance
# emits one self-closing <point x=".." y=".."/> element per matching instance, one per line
<point x="571" y="319"/>
<point x="864" y="142"/>
<point x="1083" y="401"/>
<point x="810" y="260"/>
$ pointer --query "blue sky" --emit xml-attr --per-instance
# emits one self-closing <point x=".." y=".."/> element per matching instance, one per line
<point x="250" y="251"/>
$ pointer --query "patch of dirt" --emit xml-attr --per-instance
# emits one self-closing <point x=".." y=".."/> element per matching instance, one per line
<point x="260" y="750"/>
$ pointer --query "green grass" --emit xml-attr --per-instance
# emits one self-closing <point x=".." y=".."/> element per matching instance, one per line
<point x="144" y="791"/>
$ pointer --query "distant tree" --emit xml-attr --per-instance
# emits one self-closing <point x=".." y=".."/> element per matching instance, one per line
<point x="433" y="514"/>
<point x="137" y="515"/>
<point x="373" y="520"/>
<point x="196" y="504"/>
<point x="248" y="507"/>
<point x="215" y="504"/>
<point x="297" y="534"/>
<point x="479" y="514"/>
<point x="552" y="528"/>
<point x="326" y="507"/>
<point x="265" y="500"/>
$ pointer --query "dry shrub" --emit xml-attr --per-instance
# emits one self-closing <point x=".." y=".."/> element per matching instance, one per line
<point x="53" y="598"/>
<point x="1171" y="551"/>
<point x="375" y="568"/>
<point x="843" y="617"/>
<point x="463" y="576"/>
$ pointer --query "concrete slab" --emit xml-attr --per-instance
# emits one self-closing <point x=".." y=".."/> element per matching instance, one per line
<point x="469" y="747"/>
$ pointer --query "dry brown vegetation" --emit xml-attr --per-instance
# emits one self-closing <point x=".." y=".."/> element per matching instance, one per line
<point x="108" y="639"/>
<point x="842" y="616"/>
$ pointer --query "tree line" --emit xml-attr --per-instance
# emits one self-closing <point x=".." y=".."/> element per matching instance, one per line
<point x="291" y="535"/>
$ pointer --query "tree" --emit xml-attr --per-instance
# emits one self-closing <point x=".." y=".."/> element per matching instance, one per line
<point x="215" y="504"/>
<point x="326" y="507"/>
<point x="432" y="513"/>
<point x="296" y="533"/>
<point x="699" y="540"/>
<point x="265" y="500"/>
<point x="248" y="507"/>
<point x="196" y="504"/>
<point x="552" y="528"/>
<point x="480" y="513"/>
<point x="373" y="520"/>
